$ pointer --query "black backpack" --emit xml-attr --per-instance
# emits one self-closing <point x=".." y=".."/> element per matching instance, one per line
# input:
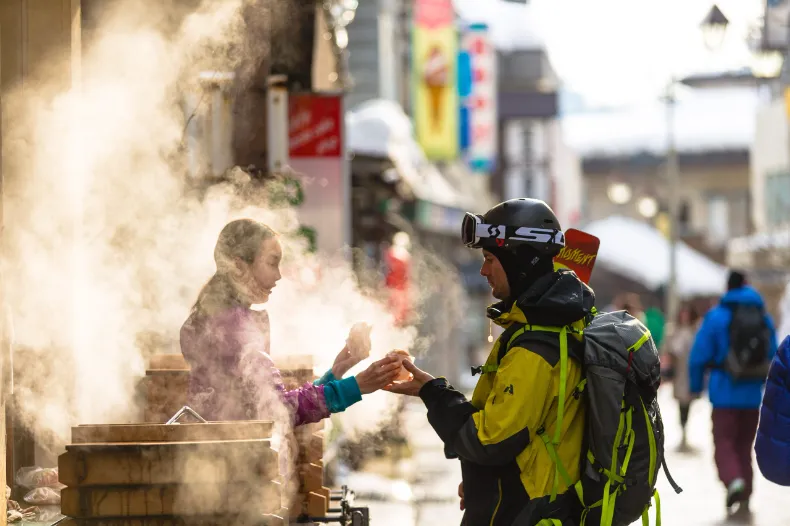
<point x="750" y="343"/>
<point x="624" y="438"/>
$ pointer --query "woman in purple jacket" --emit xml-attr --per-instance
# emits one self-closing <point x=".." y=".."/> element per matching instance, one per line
<point x="226" y="343"/>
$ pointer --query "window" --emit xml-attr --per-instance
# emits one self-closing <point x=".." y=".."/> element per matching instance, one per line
<point x="718" y="220"/>
<point x="777" y="198"/>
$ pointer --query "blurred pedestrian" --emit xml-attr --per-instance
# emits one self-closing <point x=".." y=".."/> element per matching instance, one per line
<point x="773" y="434"/>
<point x="632" y="304"/>
<point x="736" y="341"/>
<point x="655" y="322"/>
<point x="678" y="348"/>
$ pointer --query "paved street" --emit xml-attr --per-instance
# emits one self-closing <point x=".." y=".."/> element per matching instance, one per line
<point x="702" y="500"/>
<point x="433" y="481"/>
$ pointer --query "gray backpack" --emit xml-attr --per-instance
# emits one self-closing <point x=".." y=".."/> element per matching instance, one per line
<point x="624" y="435"/>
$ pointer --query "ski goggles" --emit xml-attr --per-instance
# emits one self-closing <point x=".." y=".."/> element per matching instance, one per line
<point x="477" y="234"/>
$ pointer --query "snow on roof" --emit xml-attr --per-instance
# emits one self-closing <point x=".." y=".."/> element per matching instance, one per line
<point x="706" y="120"/>
<point x="641" y="253"/>
<point x="381" y="128"/>
<point x="778" y="239"/>
<point x="513" y="26"/>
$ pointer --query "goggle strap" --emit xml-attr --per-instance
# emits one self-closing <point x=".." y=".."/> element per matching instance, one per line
<point x="534" y="235"/>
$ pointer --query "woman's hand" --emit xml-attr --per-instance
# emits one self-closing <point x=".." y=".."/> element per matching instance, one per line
<point x="344" y="361"/>
<point x="413" y="386"/>
<point x="378" y="375"/>
<point x="357" y="349"/>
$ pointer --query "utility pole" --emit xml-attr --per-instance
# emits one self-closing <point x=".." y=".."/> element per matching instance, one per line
<point x="673" y="194"/>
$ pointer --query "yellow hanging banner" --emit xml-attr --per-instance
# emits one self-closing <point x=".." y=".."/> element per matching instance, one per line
<point x="435" y="78"/>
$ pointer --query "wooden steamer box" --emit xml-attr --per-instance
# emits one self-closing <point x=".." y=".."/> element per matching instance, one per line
<point x="312" y="497"/>
<point x="166" y="384"/>
<point x="206" y="474"/>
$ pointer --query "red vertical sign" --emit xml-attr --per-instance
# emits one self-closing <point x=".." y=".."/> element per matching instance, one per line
<point x="314" y="125"/>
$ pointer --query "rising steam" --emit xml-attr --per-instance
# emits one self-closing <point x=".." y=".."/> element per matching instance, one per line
<point x="105" y="254"/>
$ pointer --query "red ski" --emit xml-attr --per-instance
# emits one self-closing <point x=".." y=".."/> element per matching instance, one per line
<point x="579" y="254"/>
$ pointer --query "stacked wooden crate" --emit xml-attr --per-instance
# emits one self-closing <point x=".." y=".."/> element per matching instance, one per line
<point x="208" y="474"/>
<point x="166" y="384"/>
<point x="311" y="497"/>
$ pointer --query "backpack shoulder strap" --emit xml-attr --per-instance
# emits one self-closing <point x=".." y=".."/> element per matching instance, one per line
<point x="544" y="340"/>
<point x="508" y="338"/>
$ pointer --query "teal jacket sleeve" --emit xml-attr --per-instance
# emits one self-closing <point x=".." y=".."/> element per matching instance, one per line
<point x="328" y="377"/>
<point x="341" y="394"/>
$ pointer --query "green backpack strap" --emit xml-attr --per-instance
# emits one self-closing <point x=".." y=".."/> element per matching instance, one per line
<point x="506" y="340"/>
<point x="517" y="330"/>
<point x="553" y="443"/>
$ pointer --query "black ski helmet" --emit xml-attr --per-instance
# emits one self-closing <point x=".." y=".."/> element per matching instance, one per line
<point x="514" y="223"/>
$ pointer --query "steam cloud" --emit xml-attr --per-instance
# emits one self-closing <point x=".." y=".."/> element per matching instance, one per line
<point x="105" y="254"/>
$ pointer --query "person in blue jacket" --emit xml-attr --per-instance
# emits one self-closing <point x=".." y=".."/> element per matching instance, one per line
<point x="736" y="403"/>
<point x="773" y="434"/>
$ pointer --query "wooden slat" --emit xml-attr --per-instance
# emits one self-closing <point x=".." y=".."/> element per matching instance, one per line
<point x="168" y="463"/>
<point x="294" y="361"/>
<point x="316" y="505"/>
<point x="311" y="448"/>
<point x="263" y="520"/>
<point x="179" y="500"/>
<point x="168" y="361"/>
<point x="124" y="433"/>
<point x="176" y="373"/>
<point x="327" y="493"/>
<point x="311" y="477"/>
<point x="311" y="504"/>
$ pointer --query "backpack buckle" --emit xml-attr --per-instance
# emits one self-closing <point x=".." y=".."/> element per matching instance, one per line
<point x="477" y="370"/>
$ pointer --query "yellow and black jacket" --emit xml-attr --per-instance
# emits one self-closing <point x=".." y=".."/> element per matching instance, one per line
<point x="508" y="474"/>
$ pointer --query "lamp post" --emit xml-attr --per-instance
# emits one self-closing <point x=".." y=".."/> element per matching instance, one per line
<point x="673" y="184"/>
<point x="713" y="28"/>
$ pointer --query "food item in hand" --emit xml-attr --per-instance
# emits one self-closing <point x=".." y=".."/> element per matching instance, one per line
<point x="358" y="342"/>
<point x="403" y="375"/>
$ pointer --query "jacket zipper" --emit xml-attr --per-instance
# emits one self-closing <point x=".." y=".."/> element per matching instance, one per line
<point x="499" y="502"/>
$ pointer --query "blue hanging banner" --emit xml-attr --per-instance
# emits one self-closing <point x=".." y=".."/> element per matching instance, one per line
<point x="464" y="90"/>
<point x="481" y="101"/>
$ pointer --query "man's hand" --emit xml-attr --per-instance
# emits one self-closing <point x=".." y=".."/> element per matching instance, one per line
<point x="461" y="494"/>
<point x="413" y="386"/>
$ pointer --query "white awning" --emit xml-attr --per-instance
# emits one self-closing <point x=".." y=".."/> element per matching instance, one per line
<point x="381" y="128"/>
<point x="640" y="252"/>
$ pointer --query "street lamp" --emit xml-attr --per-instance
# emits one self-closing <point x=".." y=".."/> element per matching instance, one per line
<point x="647" y="207"/>
<point x="619" y="193"/>
<point x="338" y="15"/>
<point x="713" y="27"/>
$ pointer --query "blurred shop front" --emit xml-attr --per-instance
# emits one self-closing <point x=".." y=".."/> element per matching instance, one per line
<point x="396" y="191"/>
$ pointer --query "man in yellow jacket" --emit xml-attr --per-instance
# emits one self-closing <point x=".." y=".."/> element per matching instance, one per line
<point x="509" y="477"/>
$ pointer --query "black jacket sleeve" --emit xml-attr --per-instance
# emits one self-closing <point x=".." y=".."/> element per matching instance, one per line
<point x="448" y="410"/>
